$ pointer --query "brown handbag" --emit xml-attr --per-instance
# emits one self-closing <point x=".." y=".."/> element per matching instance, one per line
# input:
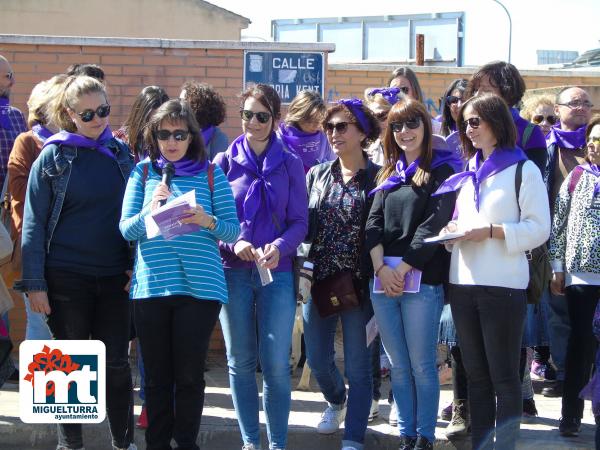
<point x="336" y="293"/>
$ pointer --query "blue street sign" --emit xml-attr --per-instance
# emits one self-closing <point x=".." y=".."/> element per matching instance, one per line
<point x="288" y="72"/>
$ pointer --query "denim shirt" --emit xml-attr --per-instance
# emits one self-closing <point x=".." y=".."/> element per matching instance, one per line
<point x="49" y="179"/>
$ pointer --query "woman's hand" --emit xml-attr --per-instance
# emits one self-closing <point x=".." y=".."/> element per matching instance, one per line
<point x="245" y="251"/>
<point x="161" y="192"/>
<point x="391" y="281"/>
<point x="451" y="227"/>
<point x="476" y="234"/>
<point x="270" y="259"/>
<point x="198" y="216"/>
<point x="557" y="284"/>
<point x="39" y="302"/>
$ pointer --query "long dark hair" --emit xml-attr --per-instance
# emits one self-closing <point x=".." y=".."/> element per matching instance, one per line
<point x="460" y="84"/>
<point x="405" y="110"/>
<point x="410" y="75"/>
<point x="144" y="105"/>
<point x="174" y="111"/>
<point x="503" y="76"/>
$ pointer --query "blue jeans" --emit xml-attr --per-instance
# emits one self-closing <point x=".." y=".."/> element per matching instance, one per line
<point x="319" y="336"/>
<point x="270" y="310"/>
<point x="408" y="325"/>
<point x="37" y="328"/>
<point x="559" y="326"/>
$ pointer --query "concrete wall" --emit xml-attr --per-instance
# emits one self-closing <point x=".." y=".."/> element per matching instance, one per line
<point x="167" y="19"/>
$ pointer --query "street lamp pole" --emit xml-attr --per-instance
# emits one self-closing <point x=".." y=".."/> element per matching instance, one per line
<point x="509" y="28"/>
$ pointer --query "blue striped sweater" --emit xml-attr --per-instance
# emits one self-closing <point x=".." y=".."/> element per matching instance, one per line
<point x="188" y="264"/>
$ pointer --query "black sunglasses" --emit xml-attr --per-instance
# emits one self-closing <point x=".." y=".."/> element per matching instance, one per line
<point x="411" y="124"/>
<point x="473" y="122"/>
<point x="178" y="135"/>
<point x="452" y="99"/>
<point x="340" y="127"/>
<point x="404" y="89"/>
<point x="88" y="115"/>
<point x="539" y="118"/>
<point x="262" y="117"/>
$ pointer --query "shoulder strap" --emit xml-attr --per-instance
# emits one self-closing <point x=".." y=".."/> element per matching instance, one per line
<point x="518" y="180"/>
<point x="577" y="172"/>
<point x="527" y="134"/>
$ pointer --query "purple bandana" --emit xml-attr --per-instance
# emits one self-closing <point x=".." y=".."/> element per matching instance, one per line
<point x="390" y="94"/>
<point x="356" y="108"/>
<point x="500" y="159"/>
<point x="208" y="133"/>
<point x="41" y="132"/>
<point x="439" y="157"/>
<point x="305" y="145"/>
<point x="593" y="169"/>
<point x="77" y="140"/>
<point x="4" y="109"/>
<point x="571" y="140"/>
<point x="185" y="167"/>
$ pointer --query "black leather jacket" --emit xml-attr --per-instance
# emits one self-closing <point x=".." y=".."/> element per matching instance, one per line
<point x="318" y="181"/>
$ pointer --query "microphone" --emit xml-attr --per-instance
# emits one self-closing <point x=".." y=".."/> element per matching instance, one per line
<point x="167" y="175"/>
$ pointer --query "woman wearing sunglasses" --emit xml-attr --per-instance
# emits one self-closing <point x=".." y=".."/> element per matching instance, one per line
<point x="270" y="193"/>
<point x="338" y="207"/>
<point x="489" y="271"/>
<point x="380" y="101"/>
<point x="76" y="274"/>
<point x="453" y="98"/>
<point x="178" y="284"/>
<point x="539" y="109"/>
<point x="402" y="215"/>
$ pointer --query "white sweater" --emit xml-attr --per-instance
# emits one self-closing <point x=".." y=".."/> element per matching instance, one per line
<point x="497" y="262"/>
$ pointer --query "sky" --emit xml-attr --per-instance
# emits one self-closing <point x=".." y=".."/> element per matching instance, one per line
<point x="537" y="24"/>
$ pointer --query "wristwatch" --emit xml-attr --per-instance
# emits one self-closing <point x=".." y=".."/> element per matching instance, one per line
<point x="213" y="224"/>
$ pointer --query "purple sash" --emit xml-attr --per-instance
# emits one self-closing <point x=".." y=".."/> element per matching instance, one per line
<point x="185" y="167"/>
<point x="593" y="169"/>
<point x="41" y="132"/>
<point x="4" y="110"/>
<point x="571" y="140"/>
<point x="77" y="140"/>
<point x="500" y="159"/>
<point x="208" y="133"/>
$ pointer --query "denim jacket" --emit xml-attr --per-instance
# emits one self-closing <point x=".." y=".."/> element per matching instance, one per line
<point x="46" y="190"/>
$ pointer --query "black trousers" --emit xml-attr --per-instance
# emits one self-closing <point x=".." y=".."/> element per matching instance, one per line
<point x="84" y="307"/>
<point x="174" y="334"/>
<point x="489" y="322"/>
<point x="459" y="375"/>
<point x="581" y="348"/>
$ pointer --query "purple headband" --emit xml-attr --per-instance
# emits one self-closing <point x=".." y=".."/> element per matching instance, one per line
<point x="390" y="94"/>
<point x="356" y="108"/>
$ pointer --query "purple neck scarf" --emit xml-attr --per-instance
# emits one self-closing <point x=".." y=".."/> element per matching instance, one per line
<point x="390" y="94"/>
<point x="356" y="108"/>
<point x="300" y="142"/>
<point x="41" y="132"/>
<point x="4" y="109"/>
<point x="571" y="140"/>
<point x="261" y="193"/>
<point x="185" y="167"/>
<point x="208" y="133"/>
<point x="405" y="173"/>
<point x="593" y="169"/>
<point x="77" y="140"/>
<point x="500" y="159"/>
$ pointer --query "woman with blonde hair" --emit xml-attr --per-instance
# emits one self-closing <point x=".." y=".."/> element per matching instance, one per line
<point x="380" y="101"/>
<point x="539" y="109"/>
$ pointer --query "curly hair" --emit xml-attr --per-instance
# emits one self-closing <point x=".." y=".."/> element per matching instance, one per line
<point x="531" y="103"/>
<point x="207" y="104"/>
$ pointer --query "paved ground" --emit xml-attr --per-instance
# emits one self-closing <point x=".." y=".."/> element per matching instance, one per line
<point x="220" y="432"/>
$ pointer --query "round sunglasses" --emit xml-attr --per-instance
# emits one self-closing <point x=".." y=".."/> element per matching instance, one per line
<point x="539" y="118"/>
<point x="88" y="115"/>
<point x="262" y="116"/>
<point x="411" y="124"/>
<point x="178" y="135"/>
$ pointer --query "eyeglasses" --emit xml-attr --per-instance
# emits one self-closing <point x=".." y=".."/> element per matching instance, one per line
<point x="340" y="127"/>
<point x="578" y="104"/>
<point x="88" y="115"/>
<point x="411" y="124"/>
<point x="473" y="122"/>
<point x="382" y="116"/>
<point x="594" y="140"/>
<point x="452" y="99"/>
<point x="539" y="118"/>
<point x="178" y="135"/>
<point x="262" y="117"/>
<point x="10" y="76"/>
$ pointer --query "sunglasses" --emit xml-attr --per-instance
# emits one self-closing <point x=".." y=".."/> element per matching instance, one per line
<point x="539" y="118"/>
<point x="178" y="135"/>
<point x="340" y="127"/>
<point x="473" y="122"/>
<point x="594" y="140"/>
<point x="411" y="124"/>
<point x="88" y="115"/>
<point x="404" y="89"/>
<point x="262" y="117"/>
<point x="577" y="104"/>
<point x="452" y="99"/>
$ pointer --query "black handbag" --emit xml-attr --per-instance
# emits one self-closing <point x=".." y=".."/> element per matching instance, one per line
<point x="336" y="293"/>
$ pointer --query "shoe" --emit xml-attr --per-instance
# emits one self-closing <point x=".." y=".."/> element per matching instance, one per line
<point x="142" y="422"/>
<point x="555" y="390"/>
<point x="569" y="427"/>
<point x="550" y="372"/>
<point x="423" y="443"/>
<point x="542" y="372"/>
<point x="460" y="425"/>
<point x="529" y="411"/>
<point x="374" y="412"/>
<point x="250" y="447"/>
<point x="393" y="419"/>
<point x="407" y="443"/>
<point x="331" y="419"/>
<point x="446" y="413"/>
<point x="349" y="448"/>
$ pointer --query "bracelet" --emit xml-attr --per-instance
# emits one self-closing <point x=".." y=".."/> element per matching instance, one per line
<point x="491" y="231"/>
<point x="378" y="269"/>
<point x="213" y="224"/>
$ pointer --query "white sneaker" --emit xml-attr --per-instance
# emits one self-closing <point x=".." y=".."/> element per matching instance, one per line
<point x="250" y="447"/>
<point x="374" y="412"/>
<point x="331" y="419"/>
<point x="349" y="448"/>
<point x="393" y="419"/>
